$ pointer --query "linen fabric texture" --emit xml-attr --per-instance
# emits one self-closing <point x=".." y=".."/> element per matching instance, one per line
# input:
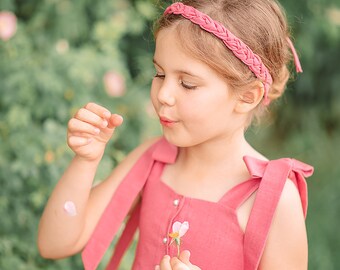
<point x="214" y="238"/>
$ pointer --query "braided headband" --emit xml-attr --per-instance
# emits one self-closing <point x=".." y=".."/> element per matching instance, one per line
<point x="237" y="46"/>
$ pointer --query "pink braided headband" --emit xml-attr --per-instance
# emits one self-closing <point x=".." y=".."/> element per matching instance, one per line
<point x="237" y="46"/>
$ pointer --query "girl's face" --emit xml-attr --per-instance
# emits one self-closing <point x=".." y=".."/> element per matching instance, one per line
<point x="193" y="102"/>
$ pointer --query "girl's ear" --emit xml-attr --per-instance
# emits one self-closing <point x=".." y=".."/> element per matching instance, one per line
<point x="250" y="98"/>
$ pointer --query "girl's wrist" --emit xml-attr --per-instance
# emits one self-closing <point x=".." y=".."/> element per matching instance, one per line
<point x="88" y="161"/>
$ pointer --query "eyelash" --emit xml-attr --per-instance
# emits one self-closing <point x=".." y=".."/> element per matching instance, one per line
<point x="188" y="87"/>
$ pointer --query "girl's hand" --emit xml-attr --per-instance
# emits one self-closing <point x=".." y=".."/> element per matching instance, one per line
<point x="90" y="129"/>
<point x="181" y="263"/>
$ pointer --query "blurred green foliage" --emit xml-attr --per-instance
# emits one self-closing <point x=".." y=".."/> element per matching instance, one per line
<point x="55" y="64"/>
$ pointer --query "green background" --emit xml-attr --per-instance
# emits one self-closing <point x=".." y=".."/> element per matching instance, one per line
<point x="55" y="64"/>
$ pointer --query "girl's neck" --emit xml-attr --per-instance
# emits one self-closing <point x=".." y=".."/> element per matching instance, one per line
<point x="225" y="151"/>
<point x="209" y="169"/>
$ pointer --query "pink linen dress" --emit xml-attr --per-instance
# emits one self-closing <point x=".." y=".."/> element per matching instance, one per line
<point x="214" y="238"/>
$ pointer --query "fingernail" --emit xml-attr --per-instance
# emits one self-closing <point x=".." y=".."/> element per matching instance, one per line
<point x="157" y="267"/>
<point x="105" y="123"/>
<point x="107" y="114"/>
<point x="97" y="130"/>
<point x="120" y="117"/>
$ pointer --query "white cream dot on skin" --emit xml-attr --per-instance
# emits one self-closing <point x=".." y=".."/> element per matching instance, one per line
<point x="70" y="208"/>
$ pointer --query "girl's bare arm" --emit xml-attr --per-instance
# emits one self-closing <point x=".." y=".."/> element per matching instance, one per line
<point x="287" y="246"/>
<point x="63" y="233"/>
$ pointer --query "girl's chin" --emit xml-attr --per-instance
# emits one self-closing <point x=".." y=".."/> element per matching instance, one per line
<point x="179" y="140"/>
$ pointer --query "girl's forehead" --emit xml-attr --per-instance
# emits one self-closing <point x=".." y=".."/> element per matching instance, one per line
<point x="172" y="57"/>
<point x="168" y="35"/>
<point x="169" y="46"/>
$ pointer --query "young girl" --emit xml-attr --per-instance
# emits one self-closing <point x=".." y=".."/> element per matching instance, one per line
<point x="201" y="196"/>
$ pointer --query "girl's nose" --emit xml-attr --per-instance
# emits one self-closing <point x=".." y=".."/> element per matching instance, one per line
<point x="166" y="94"/>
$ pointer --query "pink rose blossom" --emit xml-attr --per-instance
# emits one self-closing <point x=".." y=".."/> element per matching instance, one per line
<point x="114" y="84"/>
<point x="8" y="25"/>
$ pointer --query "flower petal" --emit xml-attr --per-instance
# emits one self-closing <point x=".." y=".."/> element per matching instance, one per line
<point x="184" y="228"/>
<point x="176" y="226"/>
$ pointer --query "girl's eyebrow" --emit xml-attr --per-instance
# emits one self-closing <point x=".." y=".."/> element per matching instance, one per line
<point x="154" y="61"/>
<point x="178" y="71"/>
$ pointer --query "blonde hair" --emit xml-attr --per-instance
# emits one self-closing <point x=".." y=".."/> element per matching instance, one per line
<point x="261" y="24"/>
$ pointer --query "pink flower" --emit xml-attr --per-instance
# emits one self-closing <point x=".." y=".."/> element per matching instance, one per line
<point x="8" y="25"/>
<point x="62" y="46"/>
<point x="114" y="84"/>
<point x="178" y="230"/>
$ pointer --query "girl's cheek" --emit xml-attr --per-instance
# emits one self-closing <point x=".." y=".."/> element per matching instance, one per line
<point x="154" y="92"/>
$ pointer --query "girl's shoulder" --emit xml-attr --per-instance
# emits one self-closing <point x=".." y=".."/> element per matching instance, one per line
<point x="287" y="237"/>
<point x="278" y="212"/>
<point x="275" y="173"/>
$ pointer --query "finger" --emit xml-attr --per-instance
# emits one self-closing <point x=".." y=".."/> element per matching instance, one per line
<point x="157" y="267"/>
<point x="97" y="109"/>
<point x="91" y="118"/>
<point x="77" y="126"/>
<point x="74" y="141"/>
<point x="185" y="257"/>
<point x="115" y="120"/>
<point x="176" y="264"/>
<point x="165" y="263"/>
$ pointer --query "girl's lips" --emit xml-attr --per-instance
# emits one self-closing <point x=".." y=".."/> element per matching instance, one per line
<point x="167" y="122"/>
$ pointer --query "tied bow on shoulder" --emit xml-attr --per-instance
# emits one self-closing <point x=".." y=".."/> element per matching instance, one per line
<point x="298" y="171"/>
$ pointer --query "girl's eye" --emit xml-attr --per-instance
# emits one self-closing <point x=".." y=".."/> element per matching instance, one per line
<point x="162" y="76"/>
<point x="188" y="86"/>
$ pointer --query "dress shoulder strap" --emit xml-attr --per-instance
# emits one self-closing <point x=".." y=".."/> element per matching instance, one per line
<point x="238" y="194"/>
<point x="269" y="192"/>
<point x="115" y="212"/>
<point x="125" y="239"/>
<point x="121" y="202"/>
